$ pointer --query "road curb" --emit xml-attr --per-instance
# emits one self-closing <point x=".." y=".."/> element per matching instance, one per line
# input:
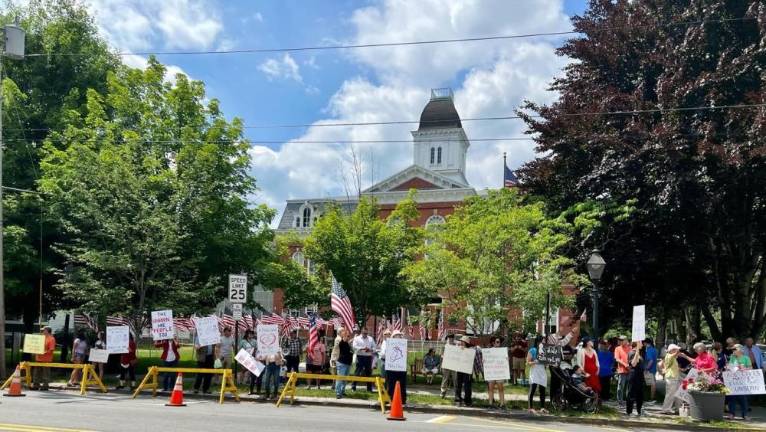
<point x="463" y="411"/>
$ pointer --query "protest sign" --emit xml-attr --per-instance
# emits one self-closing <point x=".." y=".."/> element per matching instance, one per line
<point x="744" y="382"/>
<point x="396" y="355"/>
<point x="496" y="366"/>
<point x="638" y="332"/>
<point x="458" y="359"/>
<point x="249" y="362"/>
<point x="268" y="339"/>
<point x="550" y="354"/>
<point x="34" y="344"/>
<point x="207" y="331"/>
<point x="117" y="339"/>
<point x="98" y="355"/>
<point x="162" y="325"/>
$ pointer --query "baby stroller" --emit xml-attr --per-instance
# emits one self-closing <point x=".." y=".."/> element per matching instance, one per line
<point x="572" y="395"/>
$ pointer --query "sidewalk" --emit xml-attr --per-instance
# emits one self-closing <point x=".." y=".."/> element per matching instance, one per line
<point x="652" y="419"/>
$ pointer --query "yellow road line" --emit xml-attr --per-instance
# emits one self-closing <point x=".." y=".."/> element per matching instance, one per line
<point x="442" y="419"/>
<point x="513" y="424"/>
<point x="32" y="428"/>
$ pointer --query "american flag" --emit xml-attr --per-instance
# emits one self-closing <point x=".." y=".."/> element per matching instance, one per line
<point x="226" y="321"/>
<point x="248" y="322"/>
<point x="422" y="329"/>
<point x="395" y="324"/>
<point x="183" y="323"/>
<point x="304" y="322"/>
<point x="313" y="332"/>
<point x="380" y="330"/>
<point x="509" y="178"/>
<point x="116" y="321"/>
<point x="83" y="320"/>
<point x="272" y="319"/>
<point x="341" y="304"/>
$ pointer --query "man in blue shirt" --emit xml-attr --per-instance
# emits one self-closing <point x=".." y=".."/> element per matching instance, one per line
<point x="605" y="370"/>
<point x="651" y="367"/>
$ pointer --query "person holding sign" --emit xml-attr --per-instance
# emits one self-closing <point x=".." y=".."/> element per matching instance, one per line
<point x="100" y="345"/>
<point x="496" y="342"/>
<point x="205" y="355"/>
<point x="464" y="383"/>
<point x="537" y="376"/>
<point x="738" y="361"/>
<point x="396" y="364"/>
<point x="170" y="358"/>
<point x="42" y="376"/>
<point x="128" y="363"/>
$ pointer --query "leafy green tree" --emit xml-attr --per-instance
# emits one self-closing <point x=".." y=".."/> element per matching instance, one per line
<point x="301" y="286"/>
<point x="494" y="253"/>
<point x="150" y="185"/>
<point x="697" y="242"/>
<point x="38" y="91"/>
<point x="366" y="253"/>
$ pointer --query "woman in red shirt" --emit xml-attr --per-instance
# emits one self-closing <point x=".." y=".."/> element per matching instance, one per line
<point x="704" y="362"/>
<point x="128" y="365"/>
<point x="587" y="359"/>
<point x="169" y="358"/>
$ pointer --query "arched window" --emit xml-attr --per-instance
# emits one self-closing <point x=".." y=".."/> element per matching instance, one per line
<point x="297" y="222"/>
<point x="299" y="259"/>
<point x="439" y="156"/>
<point x="432" y="154"/>
<point x="435" y="220"/>
<point x="306" y="217"/>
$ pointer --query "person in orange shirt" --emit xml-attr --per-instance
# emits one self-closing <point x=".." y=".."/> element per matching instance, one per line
<point x="41" y="376"/>
<point x="623" y="369"/>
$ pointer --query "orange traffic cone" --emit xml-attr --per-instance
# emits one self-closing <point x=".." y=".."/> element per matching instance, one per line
<point x="15" y="389"/>
<point x="396" y="405"/>
<point x="177" y="397"/>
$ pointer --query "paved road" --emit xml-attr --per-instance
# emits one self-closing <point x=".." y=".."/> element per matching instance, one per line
<point x="63" y="411"/>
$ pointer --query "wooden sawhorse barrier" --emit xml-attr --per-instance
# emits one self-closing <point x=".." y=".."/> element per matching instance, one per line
<point x="295" y="376"/>
<point x="151" y="380"/>
<point x="89" y="375"/>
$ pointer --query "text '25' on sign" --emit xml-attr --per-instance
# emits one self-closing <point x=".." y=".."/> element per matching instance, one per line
<point x="237" y="288"/>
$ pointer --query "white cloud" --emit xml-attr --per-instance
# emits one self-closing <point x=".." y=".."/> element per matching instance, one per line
<point x="493" y="79"/>
<point x="168" y="24"/>
<point x="282" y="68"/>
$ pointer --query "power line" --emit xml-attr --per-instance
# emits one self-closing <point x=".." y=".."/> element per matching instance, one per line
<point x="495" y="118"/>
<point x="391" y="44"/>
<point x="257" y="141"/>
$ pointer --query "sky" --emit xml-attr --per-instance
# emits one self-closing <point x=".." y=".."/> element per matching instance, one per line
<point x="361" y="85"/>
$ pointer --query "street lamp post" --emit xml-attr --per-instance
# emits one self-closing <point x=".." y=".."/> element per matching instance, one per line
<point x="595" y="265"/>
<point x="13" y="48"/>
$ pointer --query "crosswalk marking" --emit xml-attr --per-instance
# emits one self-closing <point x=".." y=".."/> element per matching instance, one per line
<point x="442" y="419"/>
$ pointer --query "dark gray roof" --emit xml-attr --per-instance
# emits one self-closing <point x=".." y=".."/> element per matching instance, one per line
<point x="439" y="113"/>
<point x="292" y="209"/>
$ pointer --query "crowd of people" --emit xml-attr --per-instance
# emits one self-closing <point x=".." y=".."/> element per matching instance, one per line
<point x="595" y="364"/>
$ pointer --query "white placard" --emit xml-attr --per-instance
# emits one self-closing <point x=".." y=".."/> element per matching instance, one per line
<point x="458" y="359"/>
<point x="396" y="355"/>
<point x="237" y="288"/>
<point x="249" y="362"/>
<point x="207" y="331"/>
<point x="236" y="311"/>
<point x="496" y="366"/>
<point x="98" y="355"/>
<point x="268" y="339"/>
<point x="162" y="325"/>
<point x="638" y="332"/>
<point x="744" y="382"/>
<point x="117" y="339"/>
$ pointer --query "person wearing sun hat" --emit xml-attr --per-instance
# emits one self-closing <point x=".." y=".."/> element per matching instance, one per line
<point x="672" y="377"/>
<point x="464" y="382"/>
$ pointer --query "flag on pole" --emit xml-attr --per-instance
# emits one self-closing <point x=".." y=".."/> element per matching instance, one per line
<point x="313" y="332"/>
<point x="82" y="320"/>
<point x="509" y="178"/>
<point x="341" y="304"/>
<point x="442" y="333"/>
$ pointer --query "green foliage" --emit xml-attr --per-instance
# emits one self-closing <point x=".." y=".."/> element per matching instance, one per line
<point x="366" y="254"/>
<point x="494" y="253"/>
<point x="150" y="186"/>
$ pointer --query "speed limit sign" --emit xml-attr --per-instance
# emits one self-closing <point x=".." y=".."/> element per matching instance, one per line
<point x="237" y="288"/>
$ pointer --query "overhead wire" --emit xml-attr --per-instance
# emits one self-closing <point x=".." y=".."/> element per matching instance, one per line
<point x="393" y="44"/>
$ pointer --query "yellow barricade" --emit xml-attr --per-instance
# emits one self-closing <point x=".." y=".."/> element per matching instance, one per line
<point x="89" y="375"/>
<point x="151" y="380"/>
<point x="292" y="382"/>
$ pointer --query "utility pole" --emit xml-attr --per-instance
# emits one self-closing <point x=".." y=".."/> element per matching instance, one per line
<point x="13" y="48"/>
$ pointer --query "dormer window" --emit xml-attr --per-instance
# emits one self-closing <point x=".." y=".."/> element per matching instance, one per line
<point x="432" y="154"/>
<point x="306" y="217"/>
<point x="439" y="156"/>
